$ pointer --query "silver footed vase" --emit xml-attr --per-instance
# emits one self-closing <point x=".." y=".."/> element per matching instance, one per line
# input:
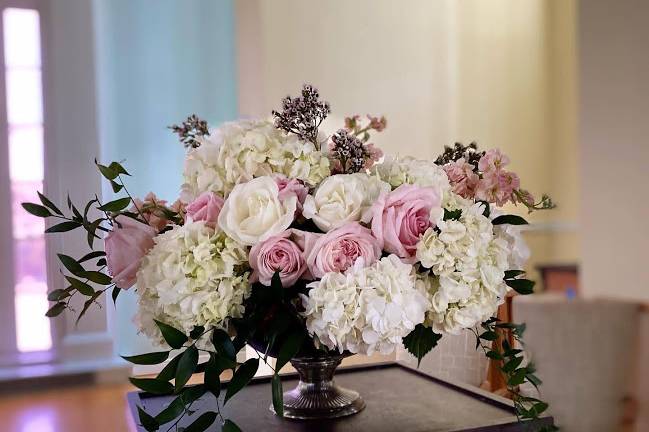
<point x="317" y="396"/>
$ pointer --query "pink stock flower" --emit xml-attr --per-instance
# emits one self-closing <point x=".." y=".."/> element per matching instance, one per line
<point x="278" y="253"/>
<point x="463" y="179"/>
<point x="400" y="217"/>
<point x="152" y="209"/>
<point x="338" y="249"/>
<point x="498" y="187"/>
<point x="493" y="160"/>
<point x="377" y="123"/>
<point x="125" y="247"/>
<point x="289" y="187"/>
<point x="374" y="154"/>
<point x="206" y="208"/>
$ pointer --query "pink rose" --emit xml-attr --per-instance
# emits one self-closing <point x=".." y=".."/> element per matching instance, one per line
<point x="400" y="217"/>
<point x="463" y="179"/>
<point x="206" y="208"/>
<point x="278" y="253"/>
<point x="152" y="209"/>
<point x="125" y="246"/>
<point x="338" y="249"/>
<point x="291" y="187"/>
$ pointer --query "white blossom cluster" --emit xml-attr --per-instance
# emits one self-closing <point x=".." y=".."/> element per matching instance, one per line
<point x="240" y="151"/>
<point x="468" y="262"/>
<point x="193" y="276"/>
<point x="425" y="173"/>
<point x="366" y="309"/>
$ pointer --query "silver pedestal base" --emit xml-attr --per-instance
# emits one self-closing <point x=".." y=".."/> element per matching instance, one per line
<point x="317" y="396"/>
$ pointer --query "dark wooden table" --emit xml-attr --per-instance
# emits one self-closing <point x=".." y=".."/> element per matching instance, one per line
<point x="398" y="399"/>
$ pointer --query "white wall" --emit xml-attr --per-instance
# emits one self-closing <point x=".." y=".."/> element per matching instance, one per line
<point x="614" y="126"/>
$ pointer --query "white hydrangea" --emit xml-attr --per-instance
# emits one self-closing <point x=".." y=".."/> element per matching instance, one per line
<point x="239" y="151"/>
<point x="398" y="171"/>
<point x="468" y="263"/>
<point x="366" y="309"/>
<point x="193" y="276"/>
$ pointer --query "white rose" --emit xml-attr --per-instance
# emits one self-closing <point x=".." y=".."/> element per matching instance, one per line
<point x="342" y="198"/>
<point x="253" y="212"/>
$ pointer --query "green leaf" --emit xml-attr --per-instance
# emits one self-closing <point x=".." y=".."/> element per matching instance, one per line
<point x="173" y="410"/>
<point x="196" y="332"/>
<point x="174" y="338"/>
<point x="289" y="349"/>
<point x="230" y="426"/>
<point x="147" y="422"/>
<point x="92" y="229"/>
<point x="116" y="186"/>
<point x="152" y="385"/>
<point x="277" y="289"/>
<point x="494" y="355"/>
<point x="116" y="205"/>
<point x="521" y="286"/>
<point x="517" y="378"/>
<point x="169" y="371"/>
<point x="115" y="293"/>
<point x="278" y="395"/>
<point x="148" y="358"/>
<point x="80" y="286"/>
<point x="534" y="380"/>
<point x="63" y="227"/>
<point x="36" y="209"/>
<point x="118" y="168"/>
<point x="87" y="305"/>
<point x="509" y="219"/>
<point x="193" y="393"/>
<point x="57" y="294"/>
<point x="97" y="277"/>
<point x="241" y="378"/>
<point x="420" y="341"/>
<point x="452" y="214"/>
<point x="55" y="310"/>
<point x="512" y="364"/>
<point x="202" y="423"/>
<point x="108" y="173"/>
<point x="186" y="367"/>
<point x="489" y="335"/>
<point x="212" y="375"/>
<point x="71" y="264"/>
<point x="49" y="204"/>
<point x="223" y="344"/>
<point x="91" y="255"/>
<point x="511" y="274"/>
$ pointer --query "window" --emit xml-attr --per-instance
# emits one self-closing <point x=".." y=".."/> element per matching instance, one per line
<point x="24" y="109"/>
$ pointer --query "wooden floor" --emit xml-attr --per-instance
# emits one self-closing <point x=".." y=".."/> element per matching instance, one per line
<point x="78" y="408"/>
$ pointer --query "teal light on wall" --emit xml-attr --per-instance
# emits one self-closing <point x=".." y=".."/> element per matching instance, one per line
<point x="157" y="62"/>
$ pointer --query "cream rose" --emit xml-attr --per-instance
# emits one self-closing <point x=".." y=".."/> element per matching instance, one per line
<point x="253" y="211"/>
<point x="342" y="198"/>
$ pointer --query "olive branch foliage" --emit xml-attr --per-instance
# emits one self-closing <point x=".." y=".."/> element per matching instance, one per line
<point x="272" y="325"/>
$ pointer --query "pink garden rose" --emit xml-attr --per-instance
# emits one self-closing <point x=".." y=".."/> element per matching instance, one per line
<point x="277" y="253"/>
<point x="125" y="247"/>
<point x="291" y="187"/>
<point x="338" y="249"/>
<point x="206" y="208"/>
<point x="400" y="217"/>
<point x="463" y="179"/>
<point x="152" y="209"/>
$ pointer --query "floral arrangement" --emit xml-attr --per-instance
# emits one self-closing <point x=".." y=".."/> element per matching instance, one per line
<point x="298" y="242"/>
